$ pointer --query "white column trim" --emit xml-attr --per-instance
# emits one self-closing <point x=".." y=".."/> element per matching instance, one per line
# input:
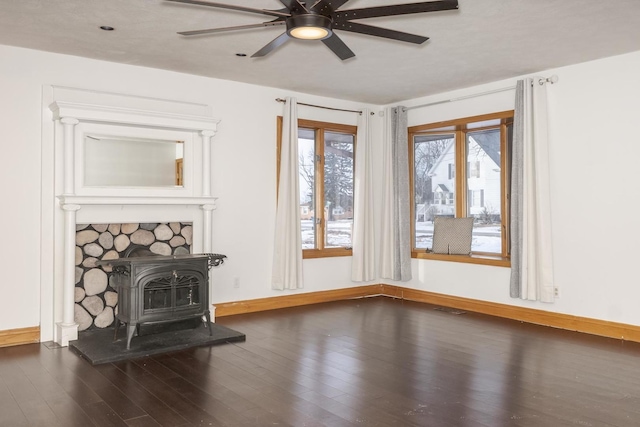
<point x="69" y="124"/>
<point x="207" y="221"/>
<point x="68" y="328"/>
<point x="206" y="161"/>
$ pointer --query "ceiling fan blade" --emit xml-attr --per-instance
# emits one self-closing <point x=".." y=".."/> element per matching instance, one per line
<point x="379" y="32"/>
<point x="224" y="29"/>
<point x="273" y="44"/>
<point x="338" y="47"/>
<point x="294" y="5"/>
<point x="335" y="4"/>
<point x="399" y="9"/>
<point x="325" y="7"/>
<point x="234" y="7"/>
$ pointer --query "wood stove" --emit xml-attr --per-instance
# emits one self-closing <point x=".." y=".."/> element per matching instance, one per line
<point x="158" y="289"/>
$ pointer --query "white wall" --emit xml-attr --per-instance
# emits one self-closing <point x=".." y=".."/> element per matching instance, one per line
<point x="593" y="137"/>
<point x="595" y="191"/>
<point x="243" y="174"/>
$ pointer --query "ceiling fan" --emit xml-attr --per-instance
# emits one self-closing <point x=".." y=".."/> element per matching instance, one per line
<point x="317" y="20"/>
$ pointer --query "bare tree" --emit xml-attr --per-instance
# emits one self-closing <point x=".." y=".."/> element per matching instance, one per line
<point x="425" y="155"/>
<point x="489" y="215"/>
<point x="338" y="175"/>
<point x="308" y="174"/>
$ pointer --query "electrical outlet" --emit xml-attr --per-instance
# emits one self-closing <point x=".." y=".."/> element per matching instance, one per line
<point x="236" y="282"/>
<point x="556" y="291"/>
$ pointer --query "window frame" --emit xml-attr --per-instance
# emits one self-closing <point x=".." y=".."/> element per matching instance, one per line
<point x="459" y="127"/>
<point x="319" y="129"/>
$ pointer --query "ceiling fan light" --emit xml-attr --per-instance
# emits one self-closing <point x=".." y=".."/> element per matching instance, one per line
<point x="309" y="27"/>
<point x="309" y="33"/>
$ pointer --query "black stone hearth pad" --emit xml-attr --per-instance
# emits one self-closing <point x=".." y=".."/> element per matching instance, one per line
<point x="98" y="346"/>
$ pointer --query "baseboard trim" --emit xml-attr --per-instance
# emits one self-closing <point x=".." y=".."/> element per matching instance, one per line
<point x="19" y="336"/>
<point x="286" y="301"/>
<point x="539" y="317"/>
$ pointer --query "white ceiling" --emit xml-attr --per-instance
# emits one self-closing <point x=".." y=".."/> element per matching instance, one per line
<point x="483" y="41"/>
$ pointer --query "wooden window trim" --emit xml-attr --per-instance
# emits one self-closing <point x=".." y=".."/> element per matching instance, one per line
<point x="326" y="253"/>
<point x="458" y="127"/>
<point x="460" y="124"/>
<point x="320" y="227"/>
<point x="475" y="258"/>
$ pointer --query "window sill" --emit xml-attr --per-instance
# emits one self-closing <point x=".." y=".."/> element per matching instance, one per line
<point x="326" y="253"/>
<point x="497" y="261"/>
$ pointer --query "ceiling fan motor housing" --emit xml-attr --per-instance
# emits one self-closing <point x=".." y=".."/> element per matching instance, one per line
<point x="309" y="20"/>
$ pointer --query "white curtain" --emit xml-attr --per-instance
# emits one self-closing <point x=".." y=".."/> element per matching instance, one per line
<point x="395" y="263"/>
<point x="363" y="258"/>
<point x="287" y="253"/>
<point x="531" y="251"/>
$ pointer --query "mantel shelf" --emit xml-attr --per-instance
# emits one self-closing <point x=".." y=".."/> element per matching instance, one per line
<point x="135" y="200"/>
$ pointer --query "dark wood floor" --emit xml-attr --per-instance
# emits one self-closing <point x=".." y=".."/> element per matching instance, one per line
<point x="373" y="362"/>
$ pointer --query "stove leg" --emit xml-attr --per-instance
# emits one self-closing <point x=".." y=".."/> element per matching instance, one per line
<point x="115" y="332"/>
<point x="207" y="315"/>
<point x="131" y="329"/>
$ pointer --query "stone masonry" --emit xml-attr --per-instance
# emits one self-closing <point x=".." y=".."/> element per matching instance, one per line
<point x="96" y="301"/>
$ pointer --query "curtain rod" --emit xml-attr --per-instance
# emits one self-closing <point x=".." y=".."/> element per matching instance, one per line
<point x="553" y="79"/>
<point x="326" y="108"/>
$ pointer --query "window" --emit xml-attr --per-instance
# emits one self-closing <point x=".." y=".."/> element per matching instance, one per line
<point x="476" y="198"/>
<point x="326" y="164"/>
<point x="460" y="169"/>
<point x="474" y="169"/>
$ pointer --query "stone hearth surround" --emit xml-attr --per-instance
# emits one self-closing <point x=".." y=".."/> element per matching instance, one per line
<point x="95" y="299"/>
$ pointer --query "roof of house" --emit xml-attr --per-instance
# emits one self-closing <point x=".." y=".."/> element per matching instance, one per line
<point x="489" y="141"/>
<point x="486" y="140"/>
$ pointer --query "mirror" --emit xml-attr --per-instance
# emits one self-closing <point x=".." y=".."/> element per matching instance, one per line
<point x="114" y="161"/>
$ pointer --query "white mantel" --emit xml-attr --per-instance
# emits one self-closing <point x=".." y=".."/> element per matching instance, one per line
<point x="77" y="112"/>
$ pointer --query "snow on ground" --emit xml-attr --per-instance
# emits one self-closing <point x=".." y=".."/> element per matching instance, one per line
<point x="338" y="233"/>
<point x="486" y="238"/>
